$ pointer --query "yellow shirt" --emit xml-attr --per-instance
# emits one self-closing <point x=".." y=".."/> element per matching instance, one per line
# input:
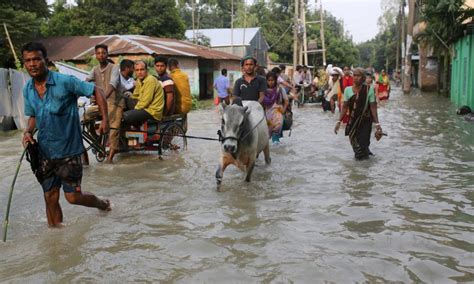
<point x="183" y="91"/>
<point x="150" y="96"/>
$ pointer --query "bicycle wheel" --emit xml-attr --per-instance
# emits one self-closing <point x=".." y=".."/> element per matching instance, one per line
<point x="100" y="148"/>
<point x="172" y="139"/>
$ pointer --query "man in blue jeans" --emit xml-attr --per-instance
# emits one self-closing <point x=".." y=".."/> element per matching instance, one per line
<point x="222" y="85"/>
<point x="51" y="104"/>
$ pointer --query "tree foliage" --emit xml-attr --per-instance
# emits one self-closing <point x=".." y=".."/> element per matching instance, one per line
<point x="208" y="13"/>
<point x="381" y="51"/>
<point x="340" y="49"/>
<point x="444" y="21"/>
<point x="275" y="17"/>
<point x="97" y="17"/>
<point x="22" y="19"/>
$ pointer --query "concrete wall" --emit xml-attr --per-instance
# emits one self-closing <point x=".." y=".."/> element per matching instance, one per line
<point x="233" y="71"/>
<point x="190" y="67"/>
<point x="428" y="69"/>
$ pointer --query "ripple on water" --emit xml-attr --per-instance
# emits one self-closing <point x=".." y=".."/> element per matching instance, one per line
<point x="315" y="214"/>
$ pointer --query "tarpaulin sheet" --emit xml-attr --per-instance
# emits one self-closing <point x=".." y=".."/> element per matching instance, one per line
<point x="71" y="70"/>
<point x="18" y="80"/>
<point x="5" y="96"/>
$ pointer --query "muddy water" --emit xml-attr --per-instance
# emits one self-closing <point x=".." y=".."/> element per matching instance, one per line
<point x="314" y="214"/>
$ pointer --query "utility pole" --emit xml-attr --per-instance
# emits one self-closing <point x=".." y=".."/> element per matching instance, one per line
<point x="232" y="26"/>
<point x="17" y="62"/>
<point x="402" y="41"/>
<point x="245" y="23"/>
<point x="409" y="32"/>
<point x="321" y="34"/>
<point x="397" y="56"/>
<point x="295" y="35"/>
<point x="192" y="19"/>
<point x="322" y="31"/>
<point x="305" y="40"/>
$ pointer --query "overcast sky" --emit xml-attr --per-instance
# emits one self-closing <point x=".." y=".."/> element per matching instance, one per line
<point x="359" y="16"/>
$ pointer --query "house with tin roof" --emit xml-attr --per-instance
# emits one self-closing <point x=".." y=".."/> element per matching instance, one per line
<point x="202" y="64"/>
<point x="238" y="41"/>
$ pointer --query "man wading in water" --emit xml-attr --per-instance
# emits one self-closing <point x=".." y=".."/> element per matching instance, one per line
<point x="250" y="87"/>
<point x="51" y="104"/>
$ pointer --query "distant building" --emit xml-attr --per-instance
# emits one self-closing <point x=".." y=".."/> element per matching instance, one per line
<point x="239" y="41"/>
<point x="202" y="64"/>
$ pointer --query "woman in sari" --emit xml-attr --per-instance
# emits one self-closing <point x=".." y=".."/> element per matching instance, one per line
<point x="275" y="106"/>
<point x="383" y="87"/>
<point x="360" y="100"/>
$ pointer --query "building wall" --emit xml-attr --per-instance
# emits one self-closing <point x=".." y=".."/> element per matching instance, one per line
<point x="428" y="70"/>
<point x="238" y="50"/>
<point x="258" y="49"/>
<point x="190" y="67"/>
<point x="462" y="82"/>
<point x="233" y="71"/>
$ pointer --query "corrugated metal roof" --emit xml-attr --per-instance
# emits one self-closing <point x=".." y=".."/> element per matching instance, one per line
<point x="82" y="47"/>
<point x="222" y="37"/>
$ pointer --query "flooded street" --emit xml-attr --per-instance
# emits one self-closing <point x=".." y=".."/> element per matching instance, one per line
<point x="314" y="214"/>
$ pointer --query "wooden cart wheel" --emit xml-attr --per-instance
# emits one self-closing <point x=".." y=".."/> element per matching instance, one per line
<point x="172" y="139"/>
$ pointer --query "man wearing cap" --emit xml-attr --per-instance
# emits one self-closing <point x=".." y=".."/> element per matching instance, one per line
<point x="250" y="87"/>
<point x="334" y="91"/>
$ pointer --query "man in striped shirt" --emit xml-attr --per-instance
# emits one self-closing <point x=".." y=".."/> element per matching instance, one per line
<point x="161" y="63"/>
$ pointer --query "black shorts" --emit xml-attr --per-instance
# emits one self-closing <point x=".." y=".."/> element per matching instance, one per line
<point x="56" y="172"/>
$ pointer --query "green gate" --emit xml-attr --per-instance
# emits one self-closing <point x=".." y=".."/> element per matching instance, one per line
<point x="462" y="75"/>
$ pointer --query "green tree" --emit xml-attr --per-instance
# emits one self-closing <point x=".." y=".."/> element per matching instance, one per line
<point x="208" y="13"/>
<point x="340" y="50"/>
<point x="22" y="19"/>
<point x="381" y="51"/>
<point x="92" y="17"/>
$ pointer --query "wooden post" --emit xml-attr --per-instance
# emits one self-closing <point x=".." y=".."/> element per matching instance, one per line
<point x="409" y="33"/>
<point x="295" y="36"/>
<point x="232" y="27"/>
<point x="17" y="62"/>
<point x="321" y="14"/>
<point x="305" y="40"/>
<point x="192" y="19"/>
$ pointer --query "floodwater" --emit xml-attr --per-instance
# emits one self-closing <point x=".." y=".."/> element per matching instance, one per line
<point x="314" y="215"/>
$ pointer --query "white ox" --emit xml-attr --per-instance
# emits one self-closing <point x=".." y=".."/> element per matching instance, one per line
<point x="244" y="134"/>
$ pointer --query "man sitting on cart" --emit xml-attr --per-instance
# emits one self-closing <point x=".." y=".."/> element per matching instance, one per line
<point x="147" y="101"/>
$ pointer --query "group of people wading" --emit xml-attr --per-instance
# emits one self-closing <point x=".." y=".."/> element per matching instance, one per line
<point x="50" y="102"/>
<point x="353" y="92"/>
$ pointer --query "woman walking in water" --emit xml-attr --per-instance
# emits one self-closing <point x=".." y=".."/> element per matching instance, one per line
<point x="383" y="88"/>
<point x="360" y="100"/>
<point x="275" y="105"/>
